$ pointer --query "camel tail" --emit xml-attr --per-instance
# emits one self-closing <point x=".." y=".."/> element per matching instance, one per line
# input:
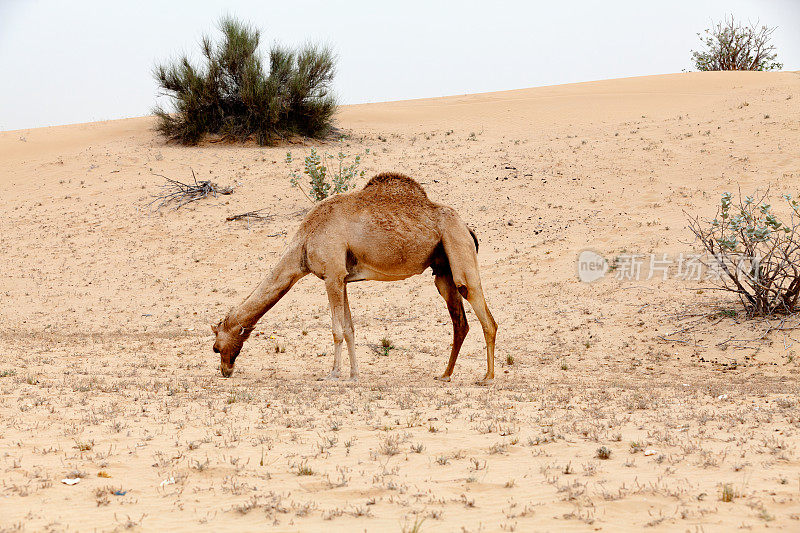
<point x="474" y="238"/>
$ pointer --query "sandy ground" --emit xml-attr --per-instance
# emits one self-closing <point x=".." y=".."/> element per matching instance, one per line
<point x="107" y="374"/>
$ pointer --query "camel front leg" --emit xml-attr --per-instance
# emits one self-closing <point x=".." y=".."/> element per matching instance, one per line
<point x="335" y="290"/>
<point x="349" y="337"/>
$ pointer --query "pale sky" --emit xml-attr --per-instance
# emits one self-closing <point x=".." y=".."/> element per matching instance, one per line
<point x="80" y="61"/>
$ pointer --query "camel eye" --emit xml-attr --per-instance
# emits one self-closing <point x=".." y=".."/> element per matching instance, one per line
<point x="216" y="350"/>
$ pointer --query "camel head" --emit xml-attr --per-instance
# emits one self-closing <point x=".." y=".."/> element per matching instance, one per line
<point x="228" y="344"/>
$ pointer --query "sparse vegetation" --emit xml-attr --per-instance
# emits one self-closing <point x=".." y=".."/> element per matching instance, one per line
<point x="233" y="95"/>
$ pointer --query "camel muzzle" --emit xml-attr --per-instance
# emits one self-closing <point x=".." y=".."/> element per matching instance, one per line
<point x="226" y="370"/>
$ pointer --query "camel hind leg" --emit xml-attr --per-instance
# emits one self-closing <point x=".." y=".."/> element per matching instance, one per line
<point x="448" y="290"/>
<point x="463" y="258"/>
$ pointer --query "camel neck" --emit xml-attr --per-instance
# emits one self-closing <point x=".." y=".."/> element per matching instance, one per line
<point x="261" y="300"/>
<point x="285" y="274"/>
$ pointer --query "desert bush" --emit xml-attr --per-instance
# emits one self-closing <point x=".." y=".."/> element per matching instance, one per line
<point x="731" y="46"/>
<point x="327" y="174"/>
<point x="233" y="96"/>
<point x="756" y="254"/>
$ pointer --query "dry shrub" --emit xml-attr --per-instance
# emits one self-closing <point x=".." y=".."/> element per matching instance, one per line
<point x="757" y="254"/>
<point x="731" y="46"/>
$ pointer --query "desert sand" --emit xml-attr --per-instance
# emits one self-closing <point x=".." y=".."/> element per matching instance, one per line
<point x="107" y="374"/>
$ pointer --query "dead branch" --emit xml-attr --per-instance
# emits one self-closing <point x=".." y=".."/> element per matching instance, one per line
<point x="680" y="341"/>
<point x="250" y="215"/>
<point x="185" y="193"/>
<point x="745" y="343"/>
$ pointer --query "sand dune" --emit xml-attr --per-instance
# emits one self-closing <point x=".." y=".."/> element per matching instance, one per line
<point x="106" y="366"/>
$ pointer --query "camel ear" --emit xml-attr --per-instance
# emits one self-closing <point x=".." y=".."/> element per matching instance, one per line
<point x="214" y="328"/>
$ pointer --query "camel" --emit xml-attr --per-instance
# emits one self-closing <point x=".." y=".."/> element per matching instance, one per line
<point x="389" y="230"/>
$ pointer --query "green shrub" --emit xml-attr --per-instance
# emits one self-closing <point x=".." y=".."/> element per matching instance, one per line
<point x="233" y="96"/>
<point x="327" y="174"/>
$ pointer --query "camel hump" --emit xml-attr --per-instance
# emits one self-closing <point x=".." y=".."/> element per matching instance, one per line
<point x="396" y="181"/>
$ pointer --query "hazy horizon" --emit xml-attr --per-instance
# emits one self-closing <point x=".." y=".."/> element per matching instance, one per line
<point x="90" y="61"/>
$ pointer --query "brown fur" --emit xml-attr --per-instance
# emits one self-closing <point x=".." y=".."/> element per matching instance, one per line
<point x="387" y="231"/>
<point x="400" y="182"/>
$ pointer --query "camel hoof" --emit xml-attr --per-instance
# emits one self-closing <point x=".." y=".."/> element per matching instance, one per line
<point x="446" y="379"/>
<point x="353" y="378"/>
<point x="485" y="382"/>
<point x="333" y="376"/>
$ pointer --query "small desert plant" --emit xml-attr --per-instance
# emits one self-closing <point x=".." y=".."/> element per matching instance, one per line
<point x="303" y="469"/>
<point x="327" y="174"/>
<point x="756" y="254"/>
<point x="101" y="496"/>
<point x="386" y="346"/>
<point x="416" y="527"/>
<point x="731" y="46"/>
<point x="84" y="446"/>
<point x="603" y="452"/>
<point x="390" y="446"/>
<point x="728" y="493"/>
<point x="233" y="96"/>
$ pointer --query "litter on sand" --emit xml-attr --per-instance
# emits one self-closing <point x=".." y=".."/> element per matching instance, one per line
<point x="168" y="481"/>
<point x="71" y="480"/>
